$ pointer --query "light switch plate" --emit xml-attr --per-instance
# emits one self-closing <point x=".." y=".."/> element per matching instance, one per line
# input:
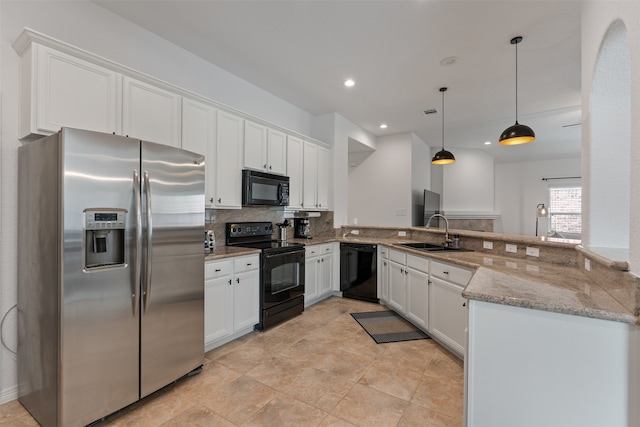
<point x="587" y="264"/>
<point x="533" y="251"/>
<point x="511" y="248"/>
<point x="487" y="245"/>
<point x="402" y="233"/>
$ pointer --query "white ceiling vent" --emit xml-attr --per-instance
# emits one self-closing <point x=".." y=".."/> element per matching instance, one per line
<point x="430" y="111"/>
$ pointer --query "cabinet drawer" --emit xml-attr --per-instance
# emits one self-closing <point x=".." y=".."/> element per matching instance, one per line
<point x="418" y="263"/>
<point x="384" y="252"/>
<point x="451" y="273"/>
<point x="397" y="256"/>
<point x="317" y="250"/>
<point x="214" y="269"/>
<point x="246" y="263"/>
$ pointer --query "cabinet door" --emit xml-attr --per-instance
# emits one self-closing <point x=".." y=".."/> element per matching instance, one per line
<point x="246" y="303"/>
<point x="255" y="146"/>
<point x="228" y="176"/>
<point x="198" y="135"/>
<point x="323" y="174"/>
<point x="384" y="280"/>
<point x="150" y="113"/>
<point x="311" y="269"/>
<point x="59" y="90"/>
<point x="295" y="162"/>
<point x="277" y="152"/>
<point x="218" y="303"/>
<point x="417" y="297"/>
<point x="397" y="287"/>
<point x="447" y="314"/>
<point x="326" y="273"/>
<point x="310" y="173"/>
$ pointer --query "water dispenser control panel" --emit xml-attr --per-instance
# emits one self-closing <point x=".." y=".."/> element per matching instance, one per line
<point x="101" y="220"/>
<point x="104" y="238"/>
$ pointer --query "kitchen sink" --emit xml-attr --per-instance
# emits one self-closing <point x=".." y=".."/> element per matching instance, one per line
<point x="432" y="247"/>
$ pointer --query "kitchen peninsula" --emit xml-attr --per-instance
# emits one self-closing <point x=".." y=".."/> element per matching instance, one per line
<point x="549" y="341"/>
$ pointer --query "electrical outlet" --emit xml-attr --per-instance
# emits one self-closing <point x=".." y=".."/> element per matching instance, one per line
<point x="587" y="264"/>
<point x="402" y="233"/>
<point x="511" y="248"/>
<point x="355" y="232"/>
<point x="533" y="251"/>
<point x="487" y="245"/>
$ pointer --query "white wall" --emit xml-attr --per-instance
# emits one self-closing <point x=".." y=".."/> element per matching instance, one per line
<point x="467" y="184"/>
<point x="85" y="25"/>
<point x="597" y="19"/>
<point x="380" y="187"/>
<point x="519" y="188"/>
<point x="336" y="130"/>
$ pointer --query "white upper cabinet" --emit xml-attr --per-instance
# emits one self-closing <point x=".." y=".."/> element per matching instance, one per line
<point x="264" y="148"/>
<point x="323" y="178"/>
<point x="228" y="161"/>
<point x="199" y="136"/>
<point x="277" y="151"/>
<point x="60" y="90"/>
<point x="316" y="177"/>
<point x="295" y="162"/>
<point x="150" y="113"/>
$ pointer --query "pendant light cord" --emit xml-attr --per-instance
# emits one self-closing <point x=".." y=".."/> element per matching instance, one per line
<point x="443" y="116"/>
<point x="517" y="82"/>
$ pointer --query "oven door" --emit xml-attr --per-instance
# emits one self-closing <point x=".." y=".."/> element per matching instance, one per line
<point x="282" y="277"/>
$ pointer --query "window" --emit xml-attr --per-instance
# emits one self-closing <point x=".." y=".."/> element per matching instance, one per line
<point x="565" y="211"/>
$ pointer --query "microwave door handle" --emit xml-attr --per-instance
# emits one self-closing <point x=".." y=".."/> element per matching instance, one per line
<point x="280" y="192"/>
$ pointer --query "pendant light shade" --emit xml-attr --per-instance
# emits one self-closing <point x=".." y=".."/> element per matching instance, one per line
<point x="517" y="134"/>
<point x="443" y="157"/>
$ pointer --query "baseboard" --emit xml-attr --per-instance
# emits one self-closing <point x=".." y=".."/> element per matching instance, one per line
<point x="8" y="395"/>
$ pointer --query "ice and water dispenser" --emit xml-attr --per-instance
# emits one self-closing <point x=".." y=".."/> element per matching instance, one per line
<point x="104" y="238"/>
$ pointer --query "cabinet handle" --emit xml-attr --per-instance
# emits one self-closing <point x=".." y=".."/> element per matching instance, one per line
<point x="269" y="167"/>
<point x="237" y="280"/>
<point x="318" y="261"/>
<point x="406" y="272"/>
<point x="248" y="264"/>
<point x="229" y="281"/>
<point x="464" y="304"/>
<point x="265" y="166"/>
<point x="211" y="199"/>
<point x="322" y="260"/>
<point x="428" y="282"/>
<point x="218" y="270"/>
<point x="401" y="270"/>
<point x="445" y="272"/>
<point x="220" y="200"/>
<point x="385" y="263"/>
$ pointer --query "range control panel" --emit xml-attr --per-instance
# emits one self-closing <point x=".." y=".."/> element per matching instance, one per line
<point x="249" y="229"/>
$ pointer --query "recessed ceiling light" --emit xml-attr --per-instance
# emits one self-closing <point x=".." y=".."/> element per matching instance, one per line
<point x="450" y="60"/>
<point x="383" y="126"/>
<point x="349" y="83"/>
<point x="487" y="143"/>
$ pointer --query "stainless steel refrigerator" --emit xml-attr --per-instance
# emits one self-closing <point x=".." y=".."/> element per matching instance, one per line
<point x="110" y="274"/>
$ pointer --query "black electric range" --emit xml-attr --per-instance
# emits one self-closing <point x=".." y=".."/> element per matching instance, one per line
<point x="281" y="272"/>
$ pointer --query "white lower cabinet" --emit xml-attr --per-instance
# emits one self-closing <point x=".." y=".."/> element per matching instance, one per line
<point x="318" y="272"/>
<point x="447" y="307"/>
<point x="383" y="274"/>
<point x="409" y="286"/>
<point x="231" y="298"/>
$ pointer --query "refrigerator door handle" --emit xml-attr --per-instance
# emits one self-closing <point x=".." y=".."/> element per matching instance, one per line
<point x="137" y="263"/>
<point x="147" y="275"/>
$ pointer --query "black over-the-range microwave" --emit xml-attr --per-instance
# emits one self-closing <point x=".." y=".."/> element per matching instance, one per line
<point x="264" y="189"/>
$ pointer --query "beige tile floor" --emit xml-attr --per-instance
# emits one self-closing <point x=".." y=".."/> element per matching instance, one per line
<point x="319" y="369"/>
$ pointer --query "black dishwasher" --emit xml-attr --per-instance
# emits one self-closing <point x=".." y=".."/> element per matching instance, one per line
<point x="358" y="271"/>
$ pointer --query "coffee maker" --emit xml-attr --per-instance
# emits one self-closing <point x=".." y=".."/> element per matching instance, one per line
<point x="301" y="228"/>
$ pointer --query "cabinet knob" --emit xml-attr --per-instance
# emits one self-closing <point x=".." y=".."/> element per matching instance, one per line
<point x="237" y="280"/>
<point x="464" y="304"/>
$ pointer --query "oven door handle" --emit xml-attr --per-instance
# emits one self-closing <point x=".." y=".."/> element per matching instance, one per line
<point x="294" y="252"/>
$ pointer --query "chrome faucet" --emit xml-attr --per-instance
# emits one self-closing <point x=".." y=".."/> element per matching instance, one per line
<point x="447" y="241"/>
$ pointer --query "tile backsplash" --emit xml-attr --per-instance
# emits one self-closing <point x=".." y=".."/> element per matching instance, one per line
<point x="215" y="219"/>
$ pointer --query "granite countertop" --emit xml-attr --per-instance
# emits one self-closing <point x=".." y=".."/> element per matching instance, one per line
<point x="503" y="280"/>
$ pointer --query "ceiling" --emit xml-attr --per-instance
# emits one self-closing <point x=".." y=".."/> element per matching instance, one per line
<point x="303" y="50"/>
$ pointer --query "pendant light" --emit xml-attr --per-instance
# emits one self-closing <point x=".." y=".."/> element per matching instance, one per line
<point x="443" y="157"/>
<point x="517" y="134"/>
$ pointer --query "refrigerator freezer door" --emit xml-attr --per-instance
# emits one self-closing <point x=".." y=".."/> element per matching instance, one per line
<point x="172" y="325"/>
<point x="99" y="328"/>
